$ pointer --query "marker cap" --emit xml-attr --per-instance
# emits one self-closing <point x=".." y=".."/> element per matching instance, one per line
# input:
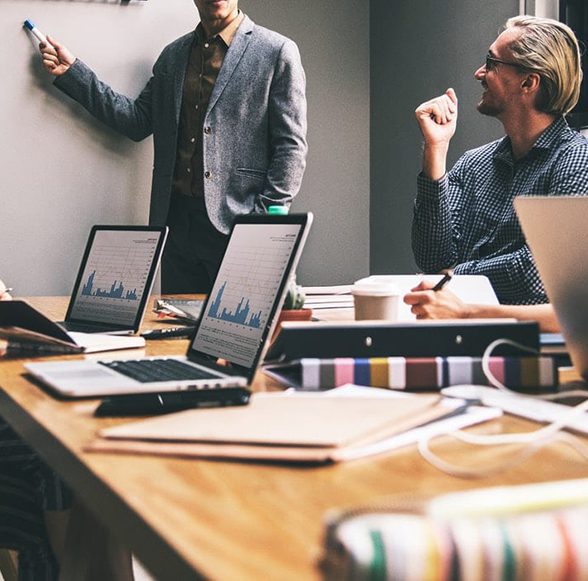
<point x="277" y="210"/>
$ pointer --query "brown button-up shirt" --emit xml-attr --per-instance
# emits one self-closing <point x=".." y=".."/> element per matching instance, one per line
<point x="204" y="64"/>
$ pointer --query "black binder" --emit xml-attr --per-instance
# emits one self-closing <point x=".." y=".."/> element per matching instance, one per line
<point x="385" y="339"/>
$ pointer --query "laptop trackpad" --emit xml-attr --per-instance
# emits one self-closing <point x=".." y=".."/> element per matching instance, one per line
<point x="76" y="377"/>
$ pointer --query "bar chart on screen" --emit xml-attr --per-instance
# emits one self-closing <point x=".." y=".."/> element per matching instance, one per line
<point x="246" y="288"/>
<point x="242" y="314"/>
<point x="115" y="274"/>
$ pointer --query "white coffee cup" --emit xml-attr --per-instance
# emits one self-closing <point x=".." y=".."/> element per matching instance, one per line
<point x="375" y="300"/>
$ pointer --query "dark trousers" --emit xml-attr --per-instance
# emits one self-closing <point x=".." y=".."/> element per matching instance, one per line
<point x="27" y="487"/>
<point x="194" y="248"/>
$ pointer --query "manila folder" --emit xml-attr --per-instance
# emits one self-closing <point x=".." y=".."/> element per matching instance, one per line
<point x="290" y="428"/>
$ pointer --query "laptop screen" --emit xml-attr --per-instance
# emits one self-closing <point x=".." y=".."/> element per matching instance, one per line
<point x="116" y="275"/>
<point x="250" y="287"/>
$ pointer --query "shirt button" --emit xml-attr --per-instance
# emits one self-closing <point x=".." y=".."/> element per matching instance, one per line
<point x="206" y="45"/>
<point x="207" y="130"/>
<point x="207" y="175"/>
<point x="188" y="170"/>
<point x="195" y="106"/>
<point x="192" y="140"/>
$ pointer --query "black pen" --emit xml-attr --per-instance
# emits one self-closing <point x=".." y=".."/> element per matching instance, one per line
<point x="446" y="278"/>
<point x="185" y="332"/>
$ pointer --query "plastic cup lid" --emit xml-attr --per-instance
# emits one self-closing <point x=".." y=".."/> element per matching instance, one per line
<point x="375" y="288"/>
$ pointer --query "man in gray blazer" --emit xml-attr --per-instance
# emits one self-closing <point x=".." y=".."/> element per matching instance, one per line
<point x="227" y="109"/>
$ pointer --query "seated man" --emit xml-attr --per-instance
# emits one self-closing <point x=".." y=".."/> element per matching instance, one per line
<point x="428" y="304"/>
<point x="465" y="218"/>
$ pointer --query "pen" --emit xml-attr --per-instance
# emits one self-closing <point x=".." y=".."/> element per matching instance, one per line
<point x="185" y="331"/>
<point x="446" y="278"/>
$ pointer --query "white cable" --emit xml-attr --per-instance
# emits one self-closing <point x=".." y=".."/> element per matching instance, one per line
<point x="486" y="362"/>
<point x="492" y="380"/>
<point x="497" y="468"/>
<point x="525" y="437"/>
<point x="533" y="441"/>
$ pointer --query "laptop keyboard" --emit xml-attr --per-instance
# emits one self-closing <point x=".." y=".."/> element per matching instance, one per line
<point x="82" y="328"/>
<point x="148" y="370"/>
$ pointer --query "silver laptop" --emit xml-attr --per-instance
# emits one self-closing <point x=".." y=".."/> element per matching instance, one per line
<point x="115" y="278"/>
<point x="235" y="323"/>
<point x="557" y="234"/>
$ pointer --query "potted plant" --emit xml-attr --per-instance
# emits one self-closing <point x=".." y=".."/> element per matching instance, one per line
<point x="293" y="309"/>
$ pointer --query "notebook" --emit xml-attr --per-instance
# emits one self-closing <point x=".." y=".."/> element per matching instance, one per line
<point x="307" y="428"/>
<point x="235" y="323"/>
<point x="555" y="229"/>
<point x="115" y="279"/>
<point x="30" y="333"/>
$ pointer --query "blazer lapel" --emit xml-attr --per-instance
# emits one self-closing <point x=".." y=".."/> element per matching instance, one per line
<point x="232" y="58"/>
<point x="183" y="55"/>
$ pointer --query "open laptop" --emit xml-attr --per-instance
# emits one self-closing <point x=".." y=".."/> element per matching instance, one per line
<point x="235" y="323"/>
<point x="555" y="229"/>
<point x="115" y="278"/>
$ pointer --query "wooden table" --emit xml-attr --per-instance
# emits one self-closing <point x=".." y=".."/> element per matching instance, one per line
<point x="230" y="520"/>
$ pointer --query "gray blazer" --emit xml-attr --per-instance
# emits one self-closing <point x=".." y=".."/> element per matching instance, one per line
<point x="254" y="129"/>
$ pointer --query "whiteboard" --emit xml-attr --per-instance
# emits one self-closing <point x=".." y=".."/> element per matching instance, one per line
<point x="61" y="171"/>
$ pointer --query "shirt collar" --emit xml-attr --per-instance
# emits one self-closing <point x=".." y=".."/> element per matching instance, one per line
<point x="551" y="134"/>
<point x="546" y="140"/>
<point x="227" y="34"/>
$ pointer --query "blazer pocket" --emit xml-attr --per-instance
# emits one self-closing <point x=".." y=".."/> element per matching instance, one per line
<point x="256" y="174"/>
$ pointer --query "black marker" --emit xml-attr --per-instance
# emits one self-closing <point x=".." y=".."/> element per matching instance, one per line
<point x="185" y="332"/>
<point x="446" y="278"/>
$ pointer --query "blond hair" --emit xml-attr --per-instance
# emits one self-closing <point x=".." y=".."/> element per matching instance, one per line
<point x="550" y="48"/>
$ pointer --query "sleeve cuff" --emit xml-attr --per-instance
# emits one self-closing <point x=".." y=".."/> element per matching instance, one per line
<point x="426" y="187"/>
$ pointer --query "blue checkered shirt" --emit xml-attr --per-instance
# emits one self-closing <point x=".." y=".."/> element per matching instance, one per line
<point x="466" y="220"/>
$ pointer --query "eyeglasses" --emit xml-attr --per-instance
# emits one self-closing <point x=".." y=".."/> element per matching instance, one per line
<point x="491" y="63"/>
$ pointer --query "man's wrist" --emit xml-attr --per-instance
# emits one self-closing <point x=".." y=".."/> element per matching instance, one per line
<point x="435" y="160"/>
<point x="470" y="311"/>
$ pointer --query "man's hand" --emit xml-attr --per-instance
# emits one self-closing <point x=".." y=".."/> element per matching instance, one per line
<point x="428" y="304"/>
<point x="56" y="58"/>
<point x="4" y="294"/>
<point x="437" y="119"/>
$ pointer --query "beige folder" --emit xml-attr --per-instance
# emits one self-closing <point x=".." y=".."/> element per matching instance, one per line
<point x="301" y="428"/>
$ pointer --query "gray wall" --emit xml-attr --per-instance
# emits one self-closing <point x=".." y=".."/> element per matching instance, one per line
<point x="61" y="172"/>
<point x="418" y="49"/>
<point x="333" y="37"/>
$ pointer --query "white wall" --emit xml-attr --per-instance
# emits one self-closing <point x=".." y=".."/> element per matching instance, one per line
<point x="61" y="171"/>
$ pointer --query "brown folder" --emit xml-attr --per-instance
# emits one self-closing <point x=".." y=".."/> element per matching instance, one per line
<point x="304" y="428"/>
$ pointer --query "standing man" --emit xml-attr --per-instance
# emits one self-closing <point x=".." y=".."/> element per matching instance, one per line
<point x="227" y="109"/>
<point x="465" y="218"/>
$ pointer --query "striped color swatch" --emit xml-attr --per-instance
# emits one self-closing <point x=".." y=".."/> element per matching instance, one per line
<point x="532" y="547"/>
<point x="425" y="373"/>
